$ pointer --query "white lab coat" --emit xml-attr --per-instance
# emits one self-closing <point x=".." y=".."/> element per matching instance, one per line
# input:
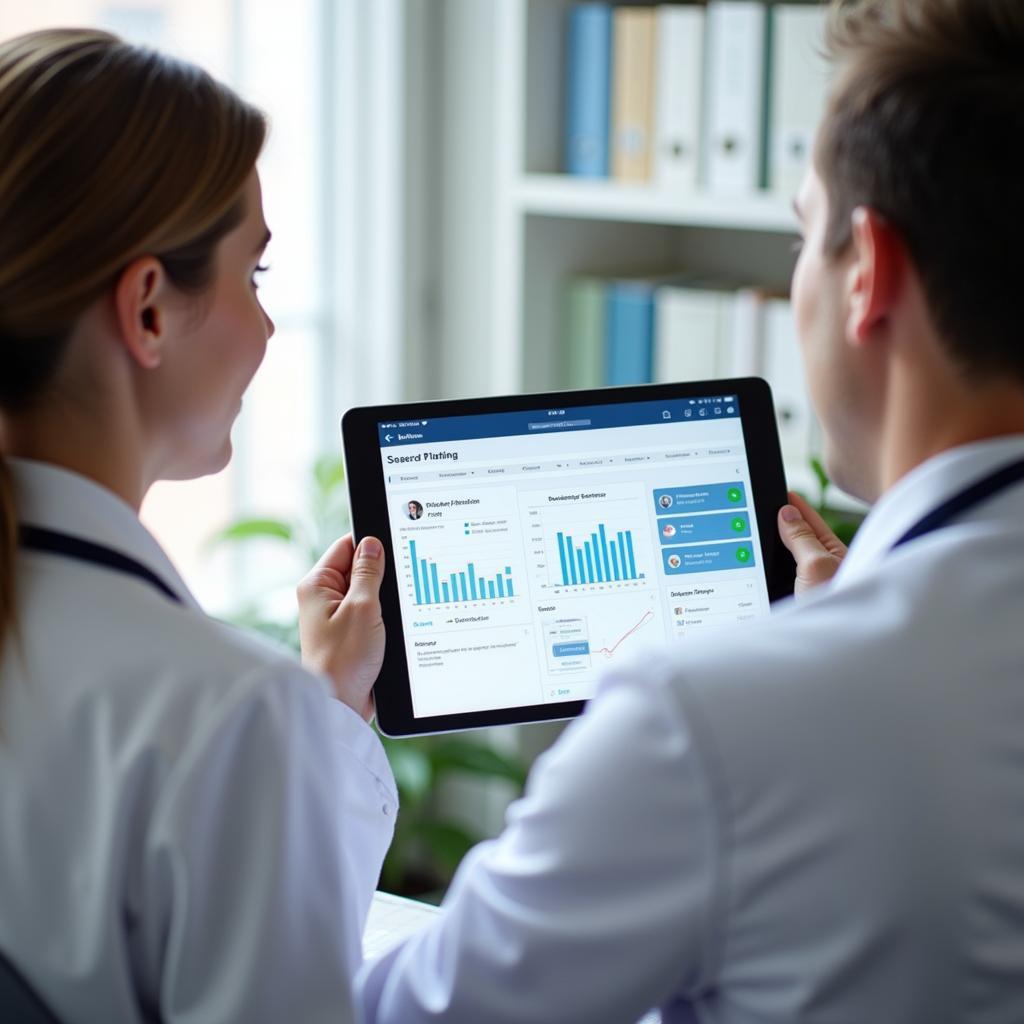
<point x="819" y="819"/>
<point x="191" y="827"/>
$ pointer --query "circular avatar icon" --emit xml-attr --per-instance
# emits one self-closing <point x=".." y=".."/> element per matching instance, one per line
<point x="668" y="530"/>
<point x="665" y="501"/>
<point x="674" y="561"/>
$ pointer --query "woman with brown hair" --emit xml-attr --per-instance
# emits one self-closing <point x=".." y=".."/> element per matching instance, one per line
<point x="191" y="824"/>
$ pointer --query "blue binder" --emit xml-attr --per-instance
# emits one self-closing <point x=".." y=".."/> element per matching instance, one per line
<point x="630" y="326"/>
<point x="588" y="90"/>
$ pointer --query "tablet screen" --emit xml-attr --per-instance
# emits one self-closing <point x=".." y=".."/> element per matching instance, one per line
<point x="532" y="549"/>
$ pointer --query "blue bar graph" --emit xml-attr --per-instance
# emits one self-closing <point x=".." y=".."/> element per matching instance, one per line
<point x="416" y="582"/>
<point x="566" y="546"/>
<point x="604" y="552"/>
<point x="607" y="557"/>
<point x="432" y="586"/>
<point x="597" y="560"/>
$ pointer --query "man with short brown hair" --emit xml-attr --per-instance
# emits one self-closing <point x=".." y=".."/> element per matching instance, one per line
<point x="823" y="820"/>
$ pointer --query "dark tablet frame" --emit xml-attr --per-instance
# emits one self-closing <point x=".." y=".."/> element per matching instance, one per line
<point x="364" y="472"/>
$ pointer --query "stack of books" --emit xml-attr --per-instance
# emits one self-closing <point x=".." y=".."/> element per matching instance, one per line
<point x="725" y="96"/>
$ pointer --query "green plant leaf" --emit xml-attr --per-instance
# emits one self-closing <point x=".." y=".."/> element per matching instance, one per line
<point x="460" y="755"/>
<point x="446" y="842"/>
<point x="252" y="529"/>
<point x="413" y="772"/>
<point x="822" y="477"/>
<point x="847" y="531"/>
<point x="329" y="472"/>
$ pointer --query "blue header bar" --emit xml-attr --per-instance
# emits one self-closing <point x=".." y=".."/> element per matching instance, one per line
<point x="542" y="422"/>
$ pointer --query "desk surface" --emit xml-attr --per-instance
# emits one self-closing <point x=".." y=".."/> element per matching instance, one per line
<point x="391" y="919"/>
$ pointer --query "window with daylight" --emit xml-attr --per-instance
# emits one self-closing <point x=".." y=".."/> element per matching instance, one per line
<point x="274" y="55"/>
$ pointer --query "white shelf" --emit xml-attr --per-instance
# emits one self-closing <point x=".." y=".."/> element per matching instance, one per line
<point x="560" y="195"/>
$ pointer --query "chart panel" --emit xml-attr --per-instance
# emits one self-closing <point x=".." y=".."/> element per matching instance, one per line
<point x="588" y="538"/>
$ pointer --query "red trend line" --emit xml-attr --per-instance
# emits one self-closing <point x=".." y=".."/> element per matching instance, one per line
<point x="648" y="615"/>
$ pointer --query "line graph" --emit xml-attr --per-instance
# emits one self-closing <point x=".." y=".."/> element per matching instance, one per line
<point x="574" y="642"/>
<point x="609" y="651"/>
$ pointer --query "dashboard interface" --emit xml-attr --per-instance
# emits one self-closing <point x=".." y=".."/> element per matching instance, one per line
<point x="534" y="548"/>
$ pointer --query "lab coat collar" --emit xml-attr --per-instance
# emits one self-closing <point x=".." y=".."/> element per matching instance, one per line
<point x="923" y="489"/>
<point x="58" y="499"/>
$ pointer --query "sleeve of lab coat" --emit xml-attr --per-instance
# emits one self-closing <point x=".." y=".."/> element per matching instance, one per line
<point x="263" y="856"/>
<point x="600" y="899"/>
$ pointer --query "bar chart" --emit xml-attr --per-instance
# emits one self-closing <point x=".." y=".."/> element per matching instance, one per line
<point x="603" y="556"/>
<point x="434" y="585"/>
<point x="589" y="538"/>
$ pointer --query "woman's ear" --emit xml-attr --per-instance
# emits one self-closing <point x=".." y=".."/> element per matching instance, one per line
<point x="876" y="275"/>
<point x="140" y="298"/>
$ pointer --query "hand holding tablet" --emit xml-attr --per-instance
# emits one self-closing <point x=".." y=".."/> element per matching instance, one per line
<point x="531" y="540"/>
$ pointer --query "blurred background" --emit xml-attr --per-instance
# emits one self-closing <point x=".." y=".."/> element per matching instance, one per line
<point x="458" y="190"/>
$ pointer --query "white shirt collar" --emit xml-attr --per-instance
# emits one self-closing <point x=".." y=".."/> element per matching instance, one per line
<point x="58" y="499"/>
<point x="923" y="489"/>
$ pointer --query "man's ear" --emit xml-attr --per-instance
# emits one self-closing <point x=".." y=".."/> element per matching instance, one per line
<point x="140" y="306"/>
<point x="876" y="275"/>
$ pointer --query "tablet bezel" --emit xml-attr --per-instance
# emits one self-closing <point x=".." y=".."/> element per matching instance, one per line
<point x="364" y="471"/>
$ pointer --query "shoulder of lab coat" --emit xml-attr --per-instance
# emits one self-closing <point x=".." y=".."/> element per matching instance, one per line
<point x="603" y="859"/>
<point x="262" y="856"/>
<point x="226" y="816"/>
<point x="729" y="826"/>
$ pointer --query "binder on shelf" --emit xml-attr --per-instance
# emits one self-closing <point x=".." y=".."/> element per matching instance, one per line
<point x="678" y="96"/>
<point x="584" y="361"/>
<point x="629" y="331"/>
<point x="633" y="93"/>
<point x="736" y="84"/>
<point x="784" y="371"/>
<point x="588" y="90"/>
<point x="746" y="333"/>
<point x="799" y="84"/>
<point x="691" y="331"/>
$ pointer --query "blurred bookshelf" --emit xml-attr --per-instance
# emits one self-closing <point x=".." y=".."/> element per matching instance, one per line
<point x="543" y="227"/>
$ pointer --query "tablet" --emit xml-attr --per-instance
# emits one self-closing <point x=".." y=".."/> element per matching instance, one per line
<point x="534" y="540"/>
